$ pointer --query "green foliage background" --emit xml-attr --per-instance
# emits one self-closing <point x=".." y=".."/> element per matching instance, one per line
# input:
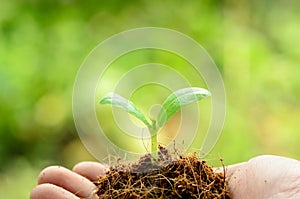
<point x="42" y="44"/>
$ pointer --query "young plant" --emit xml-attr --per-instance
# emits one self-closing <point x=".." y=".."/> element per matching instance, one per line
<point x="170" y="106"/>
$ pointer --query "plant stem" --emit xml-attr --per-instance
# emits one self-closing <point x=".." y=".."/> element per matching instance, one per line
<point x="154" y="142"/>
<point x="153" y="132"/>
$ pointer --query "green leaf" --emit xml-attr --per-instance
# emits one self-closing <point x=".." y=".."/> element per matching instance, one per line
<point x="120" y="102"/>
<point x="179" y="99"/>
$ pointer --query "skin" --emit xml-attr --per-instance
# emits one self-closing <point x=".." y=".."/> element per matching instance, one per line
<point x="266" y="177"/>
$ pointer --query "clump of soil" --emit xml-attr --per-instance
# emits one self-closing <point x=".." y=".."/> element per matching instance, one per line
<point x="167" y="177"/>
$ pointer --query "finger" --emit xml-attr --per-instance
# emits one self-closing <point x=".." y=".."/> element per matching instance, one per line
<point x="68" y="180"/>
<point x="90" y="170"/>
<point x="230" y="169"/>
<point x="50" y="191"/>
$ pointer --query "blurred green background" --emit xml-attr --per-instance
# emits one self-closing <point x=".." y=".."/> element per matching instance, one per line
<point x="43" y="43"/>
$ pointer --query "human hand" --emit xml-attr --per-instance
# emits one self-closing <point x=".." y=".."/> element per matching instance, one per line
<point x="56" y="182"/>
<point x="263" y="177"/>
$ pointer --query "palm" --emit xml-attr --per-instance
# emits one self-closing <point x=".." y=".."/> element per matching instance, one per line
<point x="265" y="177"/>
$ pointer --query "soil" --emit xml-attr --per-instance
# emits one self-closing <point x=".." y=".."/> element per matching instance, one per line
<point x="164" y="177"/>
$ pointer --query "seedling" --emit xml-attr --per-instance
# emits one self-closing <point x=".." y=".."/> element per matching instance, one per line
<point x="171" y="105"/>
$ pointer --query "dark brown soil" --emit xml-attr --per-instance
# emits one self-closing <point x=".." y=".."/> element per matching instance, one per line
<point x="182" y="177"/>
